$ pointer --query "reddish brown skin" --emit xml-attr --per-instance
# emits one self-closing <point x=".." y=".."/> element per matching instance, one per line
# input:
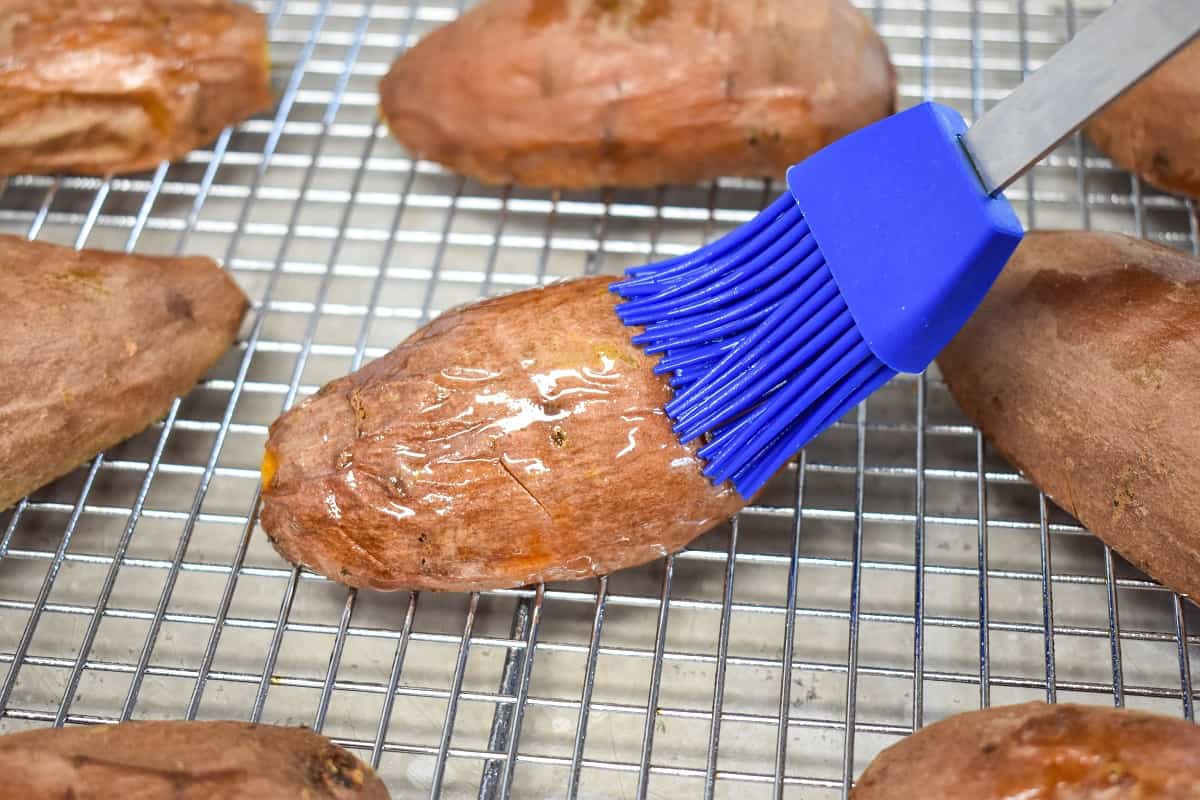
<point x="585" y="93"/>
<point x="1154" y="129"/>
<point x="175" y="760"/>
<point x="1040" y="752"/>
<point x="117" y="86"/>
<point x="517" y="440"/>
<point x="1082" y="366"/>
<point x="93" y="348"/>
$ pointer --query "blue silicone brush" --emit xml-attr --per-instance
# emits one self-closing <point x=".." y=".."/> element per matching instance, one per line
<point x="882" y="248"/>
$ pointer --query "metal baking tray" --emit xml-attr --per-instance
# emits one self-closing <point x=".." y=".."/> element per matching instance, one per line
<point x="898" y="572"/>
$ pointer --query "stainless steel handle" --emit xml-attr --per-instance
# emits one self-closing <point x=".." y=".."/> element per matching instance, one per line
<point x="1102" y="61"/>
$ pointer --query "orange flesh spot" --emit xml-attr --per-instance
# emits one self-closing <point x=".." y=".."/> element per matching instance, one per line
<point x="270" y="464"/>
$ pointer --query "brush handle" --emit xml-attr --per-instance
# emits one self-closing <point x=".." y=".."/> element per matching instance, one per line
<point x="1102" y="61"/>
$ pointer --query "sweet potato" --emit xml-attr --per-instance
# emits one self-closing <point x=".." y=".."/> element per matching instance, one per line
<point x="584" y="93"/>
<point x="517" y="440"/>
<point x="175" y="760"/>
<point x="93" y="348"/>
<point x="1082" y="367"/>
<point x="1041" y="752"/>
<point x="118" y="86"/>
<point x="1154" y="129"/>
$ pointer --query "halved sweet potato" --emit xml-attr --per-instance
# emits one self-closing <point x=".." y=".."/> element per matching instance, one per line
<point x="517" y="440"/>
<point x="177" y="760"/>
<point x="94" y="346"/>
<point x="1083" y="367"/>
<point x="580" y="93"/>
<point x="120" y="85"/>
<point x="1041" y="752"/>
<point x="1154" y="129"/>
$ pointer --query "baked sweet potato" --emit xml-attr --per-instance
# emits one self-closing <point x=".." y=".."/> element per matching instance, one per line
<point x="517" y="440"/>
<point x="93" y="348"/>
<point x="175" y="760"/>
<point x="1039" y="752"/>
<point x="584" y="93"/>
<point x="1082" y="366"/>
<point x="1154" y="129"/>
<point x="118" y="86"/>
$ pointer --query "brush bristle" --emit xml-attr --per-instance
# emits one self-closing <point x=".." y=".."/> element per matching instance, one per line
<point x="763" y="352"/>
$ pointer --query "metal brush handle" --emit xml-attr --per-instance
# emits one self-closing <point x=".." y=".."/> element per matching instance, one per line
<point x="1106" y="58"/>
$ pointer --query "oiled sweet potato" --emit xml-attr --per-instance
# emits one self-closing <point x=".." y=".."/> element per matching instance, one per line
<point x="1154" y="129"/>
<point x="517" y="440"/>
<point x="118" y="86"/>
<point x="581" y="93"/>
<point x="1083" y="367"/>
<point x="175" y="760"/>
<point x="93" y="348"/>
<point x="1036" y="751"/>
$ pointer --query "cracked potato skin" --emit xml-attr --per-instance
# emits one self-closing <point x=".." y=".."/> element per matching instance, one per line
<point x="1154" y="128"/>
<point x="1082" y="366"/>
<point x="512" y="441"/>
<point x="177" y="760"/>
<point x="94" y="346"/>
<point x="95" y="88"/>
<point x="1040" y="752"/>
<point x="588" y="93"/>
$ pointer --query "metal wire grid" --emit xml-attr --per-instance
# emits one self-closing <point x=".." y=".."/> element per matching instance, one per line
<point x="896" y="573"/>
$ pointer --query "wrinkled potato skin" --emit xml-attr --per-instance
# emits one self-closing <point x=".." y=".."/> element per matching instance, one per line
<point x="1034" y="750"/>
<point x="96" y="87"/>
<point x="585" y="93"/>
<point x="94" y="346"/>
<point x="517" y="440"/>
<point x="1154" y="129"/>
<point x="175" y="760"/>
<point x="1082" y="366"/>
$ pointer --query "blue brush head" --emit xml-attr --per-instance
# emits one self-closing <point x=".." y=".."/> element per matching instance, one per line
<point x="881" y="250"/>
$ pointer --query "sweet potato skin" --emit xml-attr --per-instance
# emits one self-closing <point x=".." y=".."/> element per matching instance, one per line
<point x="118" y="86"/>
<point x="176" y="760"/>
<point x="1154" y="129"/>
<point x="93" y="348"/>
<point x="1034" y="750"/>
<point x="517" y="440"/>
<point x="585" y="93"/>
<point x="1082" y="367"/>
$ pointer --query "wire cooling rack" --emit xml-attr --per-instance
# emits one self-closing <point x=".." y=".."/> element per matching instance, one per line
<point x="898" y="572"/>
